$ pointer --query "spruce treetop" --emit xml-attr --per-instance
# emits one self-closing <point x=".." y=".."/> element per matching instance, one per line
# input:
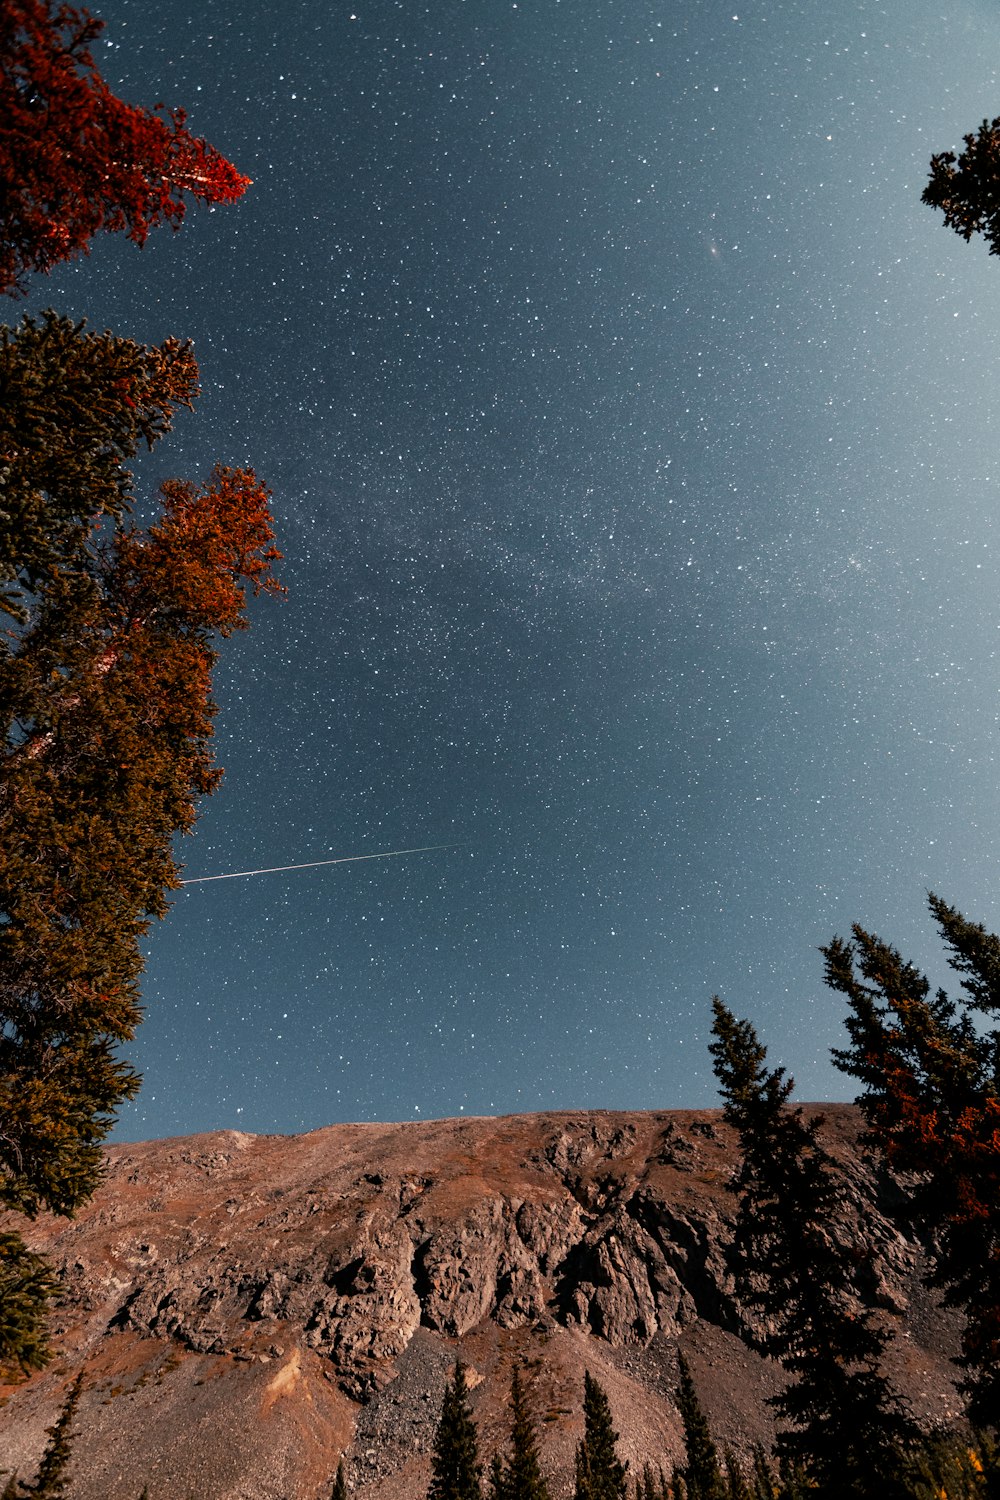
<point x="600" y="1474"/>
<point x="520" y="1477"/>
<point x="456" y="1473"/>
<point x="845" y="1423"/>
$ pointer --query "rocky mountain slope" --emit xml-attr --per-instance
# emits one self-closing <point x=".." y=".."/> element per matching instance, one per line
<point x="248" y="1309"/>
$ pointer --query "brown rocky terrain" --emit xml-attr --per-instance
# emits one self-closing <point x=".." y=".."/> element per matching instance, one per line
<point x="248" y="1309"/>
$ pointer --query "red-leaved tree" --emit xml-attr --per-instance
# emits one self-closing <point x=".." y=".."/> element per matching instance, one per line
<point x="74" y="158"/>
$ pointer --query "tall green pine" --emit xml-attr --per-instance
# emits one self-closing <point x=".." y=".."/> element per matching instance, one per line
<point x="520" y="1477"/>
<point x="846" y="1426"/>
<point x="456" y="1472"/>
<point x="106" y="717"/>
<point x="702" y="1474"/>
<point x="600" y="1474"/>
<point x="930" y="1070"/>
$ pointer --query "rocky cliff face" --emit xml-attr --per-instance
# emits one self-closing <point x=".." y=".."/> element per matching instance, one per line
<point x="249" y="1308"/>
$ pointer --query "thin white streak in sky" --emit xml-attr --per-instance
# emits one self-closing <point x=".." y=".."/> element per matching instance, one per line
<point x="314" y="864"/>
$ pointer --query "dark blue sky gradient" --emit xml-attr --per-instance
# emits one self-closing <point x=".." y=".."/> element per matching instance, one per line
<point x="633" y="432"/>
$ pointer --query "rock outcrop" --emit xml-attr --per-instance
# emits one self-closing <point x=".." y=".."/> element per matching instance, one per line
<point x="250" y="1308"/>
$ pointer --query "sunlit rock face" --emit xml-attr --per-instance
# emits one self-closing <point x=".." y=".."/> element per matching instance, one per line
<point x="250" y="1309"/>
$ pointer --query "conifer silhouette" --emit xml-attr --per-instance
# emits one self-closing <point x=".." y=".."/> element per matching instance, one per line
<point x="702" y="1474"/>
<point x="847" y="1425"/>
<point x="930" y="1071"/>
<point x="456" y="1473"/>
<point x="53" y="1471"/>
<point x="600" y="1475"/>
<point x="520" y="1477"/>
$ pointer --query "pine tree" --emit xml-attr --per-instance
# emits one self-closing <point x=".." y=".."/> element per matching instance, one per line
<point x="27" y="1282"/>
<point x="74" y="158"/>
<point x="53" y="1476"/>
<point x="702" y="1474"/>
<point x="520" y="1478"/>
<point x="498" y="1479"/>
<point x="105" y="687"/>
<point x="456" y="1472"/>
<point x="339" y="1491"/>
<point x="764" y="1487"/>
<point x="600" y="1475"/>
<point x="846" y="1423"/>
<point x="930" y="1071"/>
<point x="736" y="1485"/>
<point x="967" y="188"/>
<point x="77" y="407"/>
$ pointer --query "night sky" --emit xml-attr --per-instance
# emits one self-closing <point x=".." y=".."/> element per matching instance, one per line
<point x="633" y="433"/>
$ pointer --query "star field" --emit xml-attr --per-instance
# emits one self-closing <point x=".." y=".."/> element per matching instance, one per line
<point x="633" y="433"/>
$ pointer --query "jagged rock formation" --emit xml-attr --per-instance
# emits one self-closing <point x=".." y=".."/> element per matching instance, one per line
<point x="250" y="1308"/>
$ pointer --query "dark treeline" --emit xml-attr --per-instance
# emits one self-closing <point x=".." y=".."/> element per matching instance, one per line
<point x="940" y="1464"/>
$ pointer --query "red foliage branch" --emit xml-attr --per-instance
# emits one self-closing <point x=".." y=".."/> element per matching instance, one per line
<point x="74" y="158"/>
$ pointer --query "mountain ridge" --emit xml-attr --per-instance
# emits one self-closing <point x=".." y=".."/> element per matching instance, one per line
<point x="249" y="1308"/>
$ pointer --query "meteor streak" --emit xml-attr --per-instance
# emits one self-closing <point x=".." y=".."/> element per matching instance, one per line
<point x="314" y="864"/>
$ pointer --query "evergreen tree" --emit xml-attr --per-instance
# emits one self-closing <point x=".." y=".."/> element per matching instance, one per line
<point x="27" y="1282"/>
<point x="75" y="159"/>
<point x="967" y="188"/>
<point x="930" y="1071"/>
<point x="339" y="1491"/>
<point x="764" y="1487"/>
<point x="105" y="691"/>
<point x="53" y="1476"/>
<point x="77" y="407"/>
<point x="520" y="1478"/>
<point x="702" y="1474"/>
<point x="456" y="1472"/>
<point x="846" y="1424"/>
<point x="600" y="1475"/>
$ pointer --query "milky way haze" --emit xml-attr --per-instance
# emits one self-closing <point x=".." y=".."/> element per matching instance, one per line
<point x="633" y="431"/>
